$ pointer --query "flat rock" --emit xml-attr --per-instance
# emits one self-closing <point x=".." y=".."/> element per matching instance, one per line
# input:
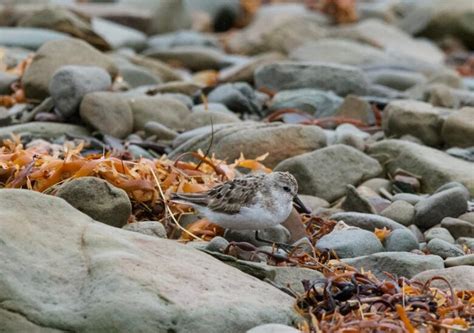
<point x="107" y="112"/>
<point x="117" y="35"/>
<point x="48" y="60"/>
<point x="204" y="118"/>
<point x="64" y="274"/>
<point x="449" y="203"/>
<point x="28" y="38"/>
<point x="238" y="97"/>
<point x="459" y="277"/>
<point x="44" y="130"/>
<point x="399" y="263"/>
<point x="151" y="228"/>
<point x="400" y="211"/>
<point x="341" y="79"/>
<point x="459" y="261"/>
<point x="457" y="227"/>
<point x="401" y="240"/>
<point x="458" y="128"/>
<point x="326" y="172"/>
<point x="366" y="221"/>
<point x="443" y="249"/>
<point x="362" y="242"/>
<point x="439" y="233"/>
<point x="434" y="166"/>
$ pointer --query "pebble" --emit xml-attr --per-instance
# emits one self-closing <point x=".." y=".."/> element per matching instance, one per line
<point x="443" y="249"/>
<point x="150" y="228"/>
<point x="273" y="328"/>
<point x="401" y="240"/>
<point x="362" y="243"/>
<point x="459" y="277"/>
<point x="99" y="199"/>
<point x="217" y="244"/>
<point x="457" y="227"/>
<point x="70" y="84"/>
<point x="400" y="211"/>
<point x="412" y="199"/>
<point x="466" y="241"/>
<point x="417" y="233"/>
<point x="366" y="221"/>
<point x="161" y="131"/>
<point x="356" y="202"/>
<point x="205" y="118"/>
<point x="439" y="233"/>
<point x="277" y="234"/>
<point x="238" y="97"/>
<point x="459" y="261"/>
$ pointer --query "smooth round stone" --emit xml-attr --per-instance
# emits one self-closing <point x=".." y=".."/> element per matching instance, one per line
<point x="451" y="185"/>
<point x="217" y="244"/>
<point x="238" y="97"/>
<point x="273" y="328"/>
<point x="457" y="227"/>
<point x="417" y="233"/>
<point x="312" y="202"/>
<point x="401" y="240"/>
<point x="150" y="228"/>
<point x="400" y="211"/>
<point x="367" y="221"/>
<point x="468" y="217"/>
<point x="466" y="241"/>
<point x="408" y="197"/>
<point x="439" y="233"/>
<point x="376" y="184"/>
<point x="362" y="242"/>
<point x="205" y="118"/>
<point x="277" y="234"/>
<point x="161" y="131"/>
<point x="443" y="249"/>
<point x="99" y="199"/>
<point x="136" y="76"/>
<point x="459" y="261"/>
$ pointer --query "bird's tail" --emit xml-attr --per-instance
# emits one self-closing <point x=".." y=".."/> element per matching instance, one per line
<point x="199" y="199"/>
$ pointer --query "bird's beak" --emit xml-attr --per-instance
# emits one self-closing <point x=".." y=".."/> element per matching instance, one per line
<point x="300" y="205"/>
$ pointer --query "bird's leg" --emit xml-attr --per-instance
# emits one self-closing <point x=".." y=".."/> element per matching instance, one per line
<point x="285" y="247"/>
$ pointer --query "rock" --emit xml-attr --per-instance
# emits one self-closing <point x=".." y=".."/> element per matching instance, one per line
<point x="467" y="242"/>
<point x="457" y="185"/>
<point x="366" y="221"/>
<point x="439" y="233"/>
<point x="459" y="261"/>
<point x="459" y="277"/>
<point x="107" y="112"/>
<point x="313" y="203"/>
<point x="417" y="233"/>
<point x="204" y="118"/>
<point x="397" y="263"/>
<point x="355" y="202"/>
<point x="355" y="107"/>
<point x="161" y="131"/>
<point x="99" y="199"/>
<point x="415" y="118"/>
<point x="217" y="244"/>
<point x="70" y="84"/>
<point x="326" y="172"/>
<point x="243" y="72"/>
<point x="277" y="234"/>
<point x="443" y="249"/>
<point x="65" y="253"/>
<point x="28" y="38"/>
<point x="458" y="128"/>
<point x="468" y="217"/>
<point x="430" y="211"/>
<point x="315" y="102"/>
<point x="238" y="97"/>
<point x="433" y="166"/>
<point x="182" y="38"/>
<point x="195" y="58"/>
<point x="6" y="80"/>
<point x="341" y="79"/>
<point x="48" y="60"/>
<point x="395" y="78"/>
<point x="295" y="226"/>
<point x="45" y="130"/>
<point x="412" y="199"/>
<point x="158" y="68"/>
<point x="177" y="87"/>
<point x="118" y="35"/>
<point x="136" y="76"/>
<point x="400" y="240"/>
<point x="292" y="277"/>
<point x="273" y="328"/>
<point x="376" y="184"/>
<point x="281" y="141"/>
<point x="362" y="243"/>
<point x="150" y="228"/>
<point x="457" y="227"/>
<point x="278" y="28"/>
<point x="400" y="211"/>
<point x="164" y="110"/>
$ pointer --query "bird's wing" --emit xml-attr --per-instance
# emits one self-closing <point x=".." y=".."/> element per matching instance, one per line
<point x="200" y="199"/>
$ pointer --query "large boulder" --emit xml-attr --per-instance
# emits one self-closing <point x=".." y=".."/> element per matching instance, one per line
<point x="55" y="54"/>
<point x="326" y="172"/>
<point x="62" y="271"/>
<point x="433" y="166"/>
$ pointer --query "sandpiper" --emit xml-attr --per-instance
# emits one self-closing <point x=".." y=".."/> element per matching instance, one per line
<point x="249" y="202"/>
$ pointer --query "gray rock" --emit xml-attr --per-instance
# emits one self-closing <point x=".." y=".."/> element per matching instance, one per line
<point x="44" y="130"/>
<point x="281" y="141"/>
<point x="412" y="199"/>
<point x="312" y="202"/>
<point x="459" y="261"/>
<point x="164" y="110"/>
<point x="398" y="263"/>
<point x="417" y="233"/>
<point x="273" y="328"/>
<point x="430" y="211"/>
<point x="468" y="217"/>
<point x="362" y="242"/>
<point x="277" y="234"/>
<point x="118" y="35"/>
<point x="443" y="249"/>
<point x="150" y="228"/>
<point x="468" y="242"/>
<point x="99" y="199"/>
<point x="395" y="78"/>
<point x="458" y="128"/>
<point x="315" y="102"/>
<point x="48" y="60"/>
<point x="70" y="84"/>
<point x="341" y="79"/>
<point x="6" y="80"/>
<point x="366" y="221"/>
<point x="65" y="253"/>
<point x="217" y="244"/>
<point x="415" y="118"/>
<point x="326" y="172"/>
<point x="182" y="38"/>
<point x="136" y="76"/>
<point x="400" y="240"/>
<point x="161" y="131"/>
<point x="200" y="119"/>
<point x="357" y="108"/>
<point x="434" y="166"/>
<point x="459" y="277"/>
<point x="107" y="112"/>
<point x="439" y="233"/>
<point x="238" y="97"/>
<point x="465" y="154"/>
<point x="376" y="184"/>
<point x="457" y="185"/>
<point x="356" y="202"/>
<point x="28" y="38"/>
<point x="213" y="107"/>
<point x="457" y="227"/>
<point x="138" y="152"/>
<point x="400" y="211"/>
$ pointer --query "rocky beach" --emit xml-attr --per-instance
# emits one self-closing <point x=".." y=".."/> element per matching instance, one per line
<point x="107" y="108"/>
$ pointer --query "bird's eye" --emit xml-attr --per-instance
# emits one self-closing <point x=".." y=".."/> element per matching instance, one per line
<point x="286" y="189"/>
